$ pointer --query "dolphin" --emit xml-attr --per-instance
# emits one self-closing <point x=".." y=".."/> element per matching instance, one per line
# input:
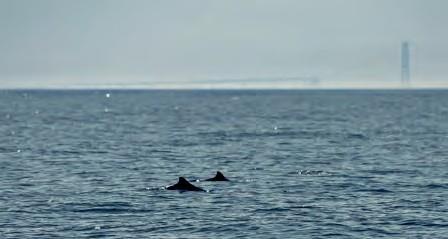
<point x="218" y="177"/>
<point x="184" y="185"/>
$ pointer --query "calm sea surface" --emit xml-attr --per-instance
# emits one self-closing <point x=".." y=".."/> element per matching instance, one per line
<point x="303" y="164"/>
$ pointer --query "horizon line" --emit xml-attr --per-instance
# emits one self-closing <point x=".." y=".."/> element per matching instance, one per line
<point x="50" y="88"/>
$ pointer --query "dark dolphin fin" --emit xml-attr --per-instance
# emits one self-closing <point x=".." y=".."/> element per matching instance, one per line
<point x="218" y="177"/>
<point x="184" y="185"/>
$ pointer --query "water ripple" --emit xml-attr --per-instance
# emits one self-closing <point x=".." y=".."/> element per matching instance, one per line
<point x="302" y="164"/>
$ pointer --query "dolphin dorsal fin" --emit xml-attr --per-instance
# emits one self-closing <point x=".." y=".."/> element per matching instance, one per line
<point x="218" y="177"/>
<point x="184" y="185"/>
<point x="182" y="180"/>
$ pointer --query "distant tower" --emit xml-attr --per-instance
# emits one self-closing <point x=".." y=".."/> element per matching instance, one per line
<point x="405" y="64"/>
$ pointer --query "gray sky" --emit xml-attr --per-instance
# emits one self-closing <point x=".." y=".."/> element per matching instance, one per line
<point x="65" y="43"/>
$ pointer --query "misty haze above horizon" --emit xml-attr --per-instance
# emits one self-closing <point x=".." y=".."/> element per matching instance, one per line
<point x="175" y="44"/>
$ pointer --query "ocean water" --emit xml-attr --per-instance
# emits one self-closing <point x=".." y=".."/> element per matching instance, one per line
<point x="303" y="164"/>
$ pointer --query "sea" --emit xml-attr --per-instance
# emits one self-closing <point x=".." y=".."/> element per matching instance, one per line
<point x="302" y="163"/>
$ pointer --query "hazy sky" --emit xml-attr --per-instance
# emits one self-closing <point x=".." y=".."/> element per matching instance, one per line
<point x="60" y="43"/>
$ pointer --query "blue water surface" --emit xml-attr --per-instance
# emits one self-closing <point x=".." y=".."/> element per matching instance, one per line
<point x="303" y="164"/>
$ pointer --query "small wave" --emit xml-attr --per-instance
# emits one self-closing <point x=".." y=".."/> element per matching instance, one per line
<point x="103" y="204"/>
<point x="153" y="189"/>
<point x="421" y="223"/>
<point x="111" y="210"/>
<point x="436" y="186"/>
<point x="375" y="190"/>
<point x="338" y="235"/>
<point x="304" y="207"/>
<point x="391" y="171"/>
<point x="313" y="173"/>
<point x="8" y="150"/>
<point x="107" y="207"/>
<point x="181" y="143"/>
<point x="274" y="209"/>
<point x="101" y="210"/>
<point x="263" y="134"/>
<point x="26" y="184"/>
<point x="357" y="136"/>
<point x="377" y="230"/>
